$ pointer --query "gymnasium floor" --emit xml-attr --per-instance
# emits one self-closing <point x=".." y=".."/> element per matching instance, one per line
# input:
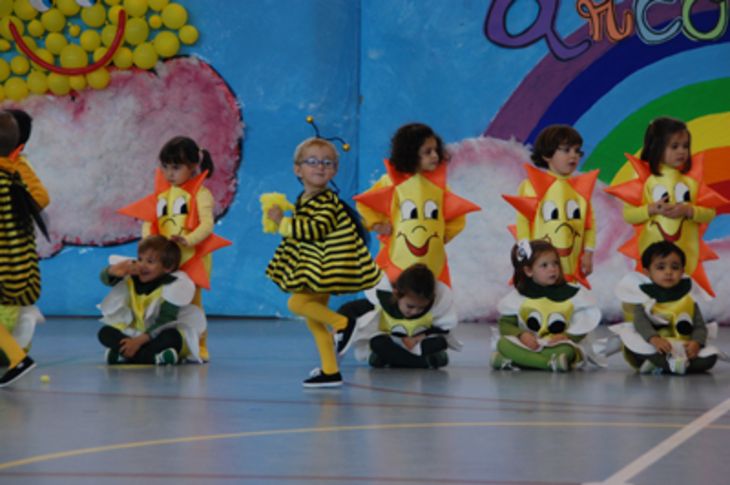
<point x="244" y="418"/>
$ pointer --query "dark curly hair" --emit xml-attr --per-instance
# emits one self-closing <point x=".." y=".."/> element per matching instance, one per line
<point x="182" y="150"/>
<point x="407" y="141"/>
<point x="549" y="139"/>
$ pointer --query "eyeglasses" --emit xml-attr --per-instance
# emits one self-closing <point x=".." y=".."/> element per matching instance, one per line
<point x="314" y="162"/>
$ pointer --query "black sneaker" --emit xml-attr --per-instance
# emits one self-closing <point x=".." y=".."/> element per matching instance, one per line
<point x="344" y="337"/>
<point x="320" y="379"/>
<point x="438" y="359"/>
<point x="17" y="372"/>
<point x="113" y="357"/>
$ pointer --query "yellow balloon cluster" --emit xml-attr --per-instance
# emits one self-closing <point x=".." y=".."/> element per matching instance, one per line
<point x="74" y="37"/>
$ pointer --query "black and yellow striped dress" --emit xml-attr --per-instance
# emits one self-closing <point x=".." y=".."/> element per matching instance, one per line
<point x="20" y="279"/>
<point x="324" y="253"/>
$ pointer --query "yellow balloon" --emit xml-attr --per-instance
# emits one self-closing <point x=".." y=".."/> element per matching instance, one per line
<point x="90" y="40"/>
<point x="107" y="34"/>
<point x="4" y="45"/>
<point x="158" y="4"/>
<point x="77" y="83"/>
<point x="189" y="35"/>
<point x="166" y="44"/>
<point x="68" y="7"/>
<point x="74" y="56"/>
<point x="16" y="88"/>
<point x="4" y="69"/>
<point x="46" y="56"/>
<point x="6" y="6"/>
<point x="94" y="16"/>
<point x="99" y="79"/>
<point x="113" y="14"/>
<point x="74" y="30"/>
<point x="59" y="84"/>
<point x="5" y="30"/>
<point x="35" y="28"/>
<point x="136" y="31"/>
<point x="19" y="65"/>
<point x="155" y="21"/>
<point x="30" y="42"/>
<point x="24" y="10"/>
<point x="145" y="56"/>
<point x="55" y="42"/>
<point x="135" y="8"/>
<point x="123" y="58"/>
<point x="174" y="16"/>
<point x="112" y="2"/>
<point x="99" y="53"/>
<point x="53" y="20"/>
<point x="37" y="82"/>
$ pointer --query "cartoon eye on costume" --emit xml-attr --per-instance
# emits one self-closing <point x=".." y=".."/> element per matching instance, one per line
<point x="556" y="323"/>
<point x="684" y="324"/>
<point x="399" y="331"/>
<point x="179" y="206"/>
<point x="549" y="211"/>
<point x="681" y="192"/>
<point x="534" y="321"/>
<point x="161" y="207"/>
<point x="44" y="5"/>
<point x="659" y="192"/>
<point x="430" y="210"/>
<point x="572" y="209"/>
<point x="408" y="210"/>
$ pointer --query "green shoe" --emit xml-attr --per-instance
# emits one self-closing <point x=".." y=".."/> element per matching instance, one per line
<point x="500" y="362"/>
<point x="113" y="357"/>
<point x="438" y="359"/>
<point x="559" y="363"/>
<point x="376" y="361"/>
<point x="166" y="357"/>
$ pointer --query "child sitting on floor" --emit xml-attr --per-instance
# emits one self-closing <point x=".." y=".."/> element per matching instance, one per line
<point x="404" y="326"/>
<point x="148" y="313"/>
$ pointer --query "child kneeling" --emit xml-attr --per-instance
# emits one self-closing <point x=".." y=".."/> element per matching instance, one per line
<point x="405" y="326"/>
<point x="148" y="313"/>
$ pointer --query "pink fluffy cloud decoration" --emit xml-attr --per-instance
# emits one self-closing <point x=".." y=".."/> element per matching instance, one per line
<point x="484" y="168"/>
<point x="97" y="151"/>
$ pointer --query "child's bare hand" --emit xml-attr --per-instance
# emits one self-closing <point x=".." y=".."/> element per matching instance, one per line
<point x="383" y="228"/>
<point x="662" y="345"/>
<point x="529" y="339"/>
<point x="124" y="268"/>
<point x="411" y="342"/>
<point x="559" y="337"/>
<point x="692" y="348"/>
<point x="275" y="214"/>
<point x="678" y="211"/>
<point x="586" y="263"/>
<point x="130" y="346"/>
<point x="179" y="240"/>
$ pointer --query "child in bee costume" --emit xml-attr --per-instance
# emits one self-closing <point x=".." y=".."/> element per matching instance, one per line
<point x="406" y="326"/>
<point x="544" y="320"/>
<point x="668" y="333"/>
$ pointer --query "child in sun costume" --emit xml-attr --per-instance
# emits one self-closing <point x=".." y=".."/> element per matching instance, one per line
<point x="667" y="333"/>
<point x="322" y="253"/>
<point x="23" y="196"/>
<point x="666" y="199"/>
<point x="406" y="325"/>
<point x="411" y="208"/>
<point x="555" y="205"/>
<point x="148" y="313"/>
<point x="181" y="209"/>
<point x="543" y="318"/>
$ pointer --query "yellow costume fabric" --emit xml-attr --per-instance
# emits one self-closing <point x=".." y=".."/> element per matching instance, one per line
<point x="313" y="307"/>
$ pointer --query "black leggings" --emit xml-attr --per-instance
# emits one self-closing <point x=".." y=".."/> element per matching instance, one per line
<point x="394" y="355"/>
<point x="170" y="338"/>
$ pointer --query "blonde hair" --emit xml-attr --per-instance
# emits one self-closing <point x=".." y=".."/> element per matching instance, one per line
<point x="315" y="142"/>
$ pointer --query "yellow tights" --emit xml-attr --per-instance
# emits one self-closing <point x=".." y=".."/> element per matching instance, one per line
<point x="10" y="347"/>
<point x="313" y="307"/>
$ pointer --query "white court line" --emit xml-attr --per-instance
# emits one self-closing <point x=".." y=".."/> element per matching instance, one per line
<point x="643" y="462"/>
